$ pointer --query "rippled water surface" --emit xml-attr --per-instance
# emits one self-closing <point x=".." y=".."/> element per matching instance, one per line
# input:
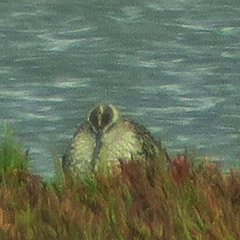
<point x="172" y="66"/>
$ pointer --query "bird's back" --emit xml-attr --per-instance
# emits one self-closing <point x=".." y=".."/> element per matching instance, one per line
<point x="114" y="139"/>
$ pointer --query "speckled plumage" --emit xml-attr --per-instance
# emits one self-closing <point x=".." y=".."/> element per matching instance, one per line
<point x="107" y="136"/>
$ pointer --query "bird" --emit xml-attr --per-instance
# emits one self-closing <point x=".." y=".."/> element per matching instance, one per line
<point x="107" y="137"/>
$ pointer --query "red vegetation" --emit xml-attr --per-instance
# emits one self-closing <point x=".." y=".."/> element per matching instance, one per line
<point x="181" y="168"/>
<point x="139" y="201"/>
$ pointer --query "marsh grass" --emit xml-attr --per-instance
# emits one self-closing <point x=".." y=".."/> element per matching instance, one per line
<point x="11" y="153"/>
<point x="136" y="201"/>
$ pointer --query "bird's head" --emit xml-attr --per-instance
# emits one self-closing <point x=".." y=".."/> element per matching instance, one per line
<point x="103" y="117"/>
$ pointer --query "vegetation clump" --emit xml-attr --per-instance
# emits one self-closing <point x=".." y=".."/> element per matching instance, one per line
<point x="138" y="200"/>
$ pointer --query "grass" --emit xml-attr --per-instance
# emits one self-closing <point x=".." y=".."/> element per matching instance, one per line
<point x="137" y="201"/>
<point x="11" y="153"/>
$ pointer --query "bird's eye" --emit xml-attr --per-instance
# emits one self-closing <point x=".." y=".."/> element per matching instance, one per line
<point x="107" y="117"/>
<point x="94" y="117"/>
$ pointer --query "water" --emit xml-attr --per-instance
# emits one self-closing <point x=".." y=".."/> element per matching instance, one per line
<point x="172" y="66"/>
